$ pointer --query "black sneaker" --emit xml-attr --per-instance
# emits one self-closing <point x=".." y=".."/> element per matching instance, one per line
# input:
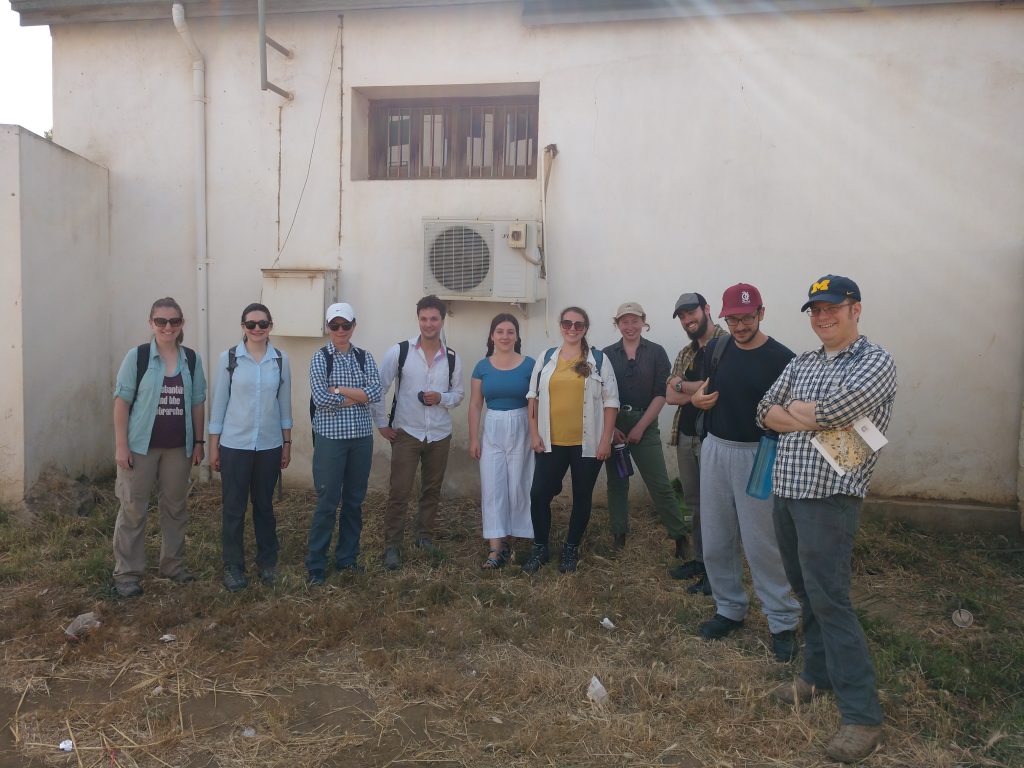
<point x="316" y="577"/>
<point x="128" y="588"/>
<point x="618" y="541"/>
<point x="718" y="626"/>
<point x="570" y="558"/>
<point x="687" y="570"/>
<point x="700" y="587"/>
<point x="392" y="559"/>
<point x="234" y="579"/>
<point x="539" y="556"/>
<point x="784" y="645"/>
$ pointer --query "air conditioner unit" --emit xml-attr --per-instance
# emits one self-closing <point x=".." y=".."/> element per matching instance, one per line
<point x="475" y="260"/>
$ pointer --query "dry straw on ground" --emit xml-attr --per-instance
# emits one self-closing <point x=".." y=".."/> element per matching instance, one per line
<point x="441" y="664"/>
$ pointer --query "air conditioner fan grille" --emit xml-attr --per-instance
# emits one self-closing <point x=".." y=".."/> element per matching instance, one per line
<point x="459" y="259"/>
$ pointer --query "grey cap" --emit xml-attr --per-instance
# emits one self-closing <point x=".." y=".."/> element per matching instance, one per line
<point x="689" y="301"/>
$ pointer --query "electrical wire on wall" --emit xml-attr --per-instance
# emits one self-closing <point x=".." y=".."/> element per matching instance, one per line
<point x="550" y="152"/>
<point x="312" y="149"/>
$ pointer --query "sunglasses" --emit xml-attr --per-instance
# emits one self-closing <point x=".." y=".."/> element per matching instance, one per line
<point x="573" y="325"/>
<point x="161" y="322"/>
<point x="252" y="325"/>
<point x="343" y="325"/>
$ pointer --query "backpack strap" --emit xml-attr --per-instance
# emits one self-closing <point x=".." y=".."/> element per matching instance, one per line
<point x="450" y="353"/>
<point x="360" y="358"/>
<point x="190" y="360"/>
<point x="403" y="353"/>
<point x="701" y="424"/>
<point x="598" y="357"/>
<point x="329" y="366"/>
<point x="141" y="365"/>
<point x="547" y="358"/>
<point x="232" y="364"/>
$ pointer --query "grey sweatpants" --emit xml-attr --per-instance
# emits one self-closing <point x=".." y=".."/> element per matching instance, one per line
<point x="730" y="517"/>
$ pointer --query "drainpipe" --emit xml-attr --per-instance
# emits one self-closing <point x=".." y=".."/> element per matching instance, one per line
<point x="199" y="181"/>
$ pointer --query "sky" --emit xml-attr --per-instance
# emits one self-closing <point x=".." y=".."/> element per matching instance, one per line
<point x="25" y="81"/>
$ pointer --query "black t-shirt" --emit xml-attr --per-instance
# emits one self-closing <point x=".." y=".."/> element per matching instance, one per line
<point x="688" y="413"/>
<point x="742" y="378"/>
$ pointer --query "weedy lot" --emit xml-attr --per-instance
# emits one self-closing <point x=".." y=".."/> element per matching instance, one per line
<point x="442" y="665"/>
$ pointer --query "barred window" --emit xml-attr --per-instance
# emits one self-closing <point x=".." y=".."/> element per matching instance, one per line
<point x="454" y="138"/>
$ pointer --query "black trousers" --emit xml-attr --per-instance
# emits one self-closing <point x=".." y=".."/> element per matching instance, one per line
<point x="548" y="473"/>
<point x="245" y="474"/>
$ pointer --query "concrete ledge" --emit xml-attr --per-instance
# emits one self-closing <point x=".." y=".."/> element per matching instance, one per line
<point x="946" y="516"/>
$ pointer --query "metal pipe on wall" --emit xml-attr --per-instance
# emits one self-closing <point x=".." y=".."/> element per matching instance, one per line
<point x="202" y="260"/>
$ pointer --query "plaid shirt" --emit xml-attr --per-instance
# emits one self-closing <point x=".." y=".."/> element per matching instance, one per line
<point x="684" y="361"/>
<point x="332" y="419"/>
<point x="859" y="381"/>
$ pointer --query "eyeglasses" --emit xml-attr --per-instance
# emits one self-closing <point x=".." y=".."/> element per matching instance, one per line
<point x="342" y="324"/>
<point x="161" y="322"/>
<point x="830" y="310"/>
<point x="252" y="325"/>
<point x="732" y="322"/>
<point x="573" y="325"/>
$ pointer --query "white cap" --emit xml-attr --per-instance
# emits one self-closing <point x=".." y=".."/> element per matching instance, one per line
<point x="342" y="310"/>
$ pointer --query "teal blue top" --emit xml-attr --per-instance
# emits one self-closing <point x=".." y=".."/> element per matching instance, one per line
<point x="140" y="422"/>
<point x="504" y="390"/>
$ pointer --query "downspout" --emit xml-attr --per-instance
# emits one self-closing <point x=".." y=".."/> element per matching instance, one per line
<point x="199" y="183"/>
<point x="550" y="152"/>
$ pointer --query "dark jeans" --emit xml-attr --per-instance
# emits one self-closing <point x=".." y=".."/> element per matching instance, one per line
<point x="341" y="472"/>
<point x="245" y="474"/>
<point x="548" y="474"/>
<point x="816" y="539"/>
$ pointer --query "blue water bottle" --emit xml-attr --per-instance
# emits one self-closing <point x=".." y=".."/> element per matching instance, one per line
<point x="760" y="483"/>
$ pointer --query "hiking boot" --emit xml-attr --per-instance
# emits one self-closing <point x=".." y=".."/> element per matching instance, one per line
<point x="424" y="542"/>
<point x="718" y="626"/>
<point x="618" y="541"/>
<point x="353" y="568"/>
<point x="854" y="742"/>
<point x="183" y="577"/>
<point x="570" y="558"/>
<point x="268" y="575"/>
<point x="234" y="579"/>
<point x="539" y="556"/>
<point x="784" y="645"/>
<point x="316" y="577"/>
<point x="700" y="587"/>
<point x="392" y="559"/>
<point x="799" y="691"/>
<point x="687" y="570"/>
<point x="680" y="552"/>
<point x="128" y="588"/>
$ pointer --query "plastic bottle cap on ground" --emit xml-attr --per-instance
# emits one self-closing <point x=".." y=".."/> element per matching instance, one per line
<point x="963" y="618"/>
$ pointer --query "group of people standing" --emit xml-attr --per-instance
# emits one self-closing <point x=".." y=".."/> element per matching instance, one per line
<point x="561" y="412"/>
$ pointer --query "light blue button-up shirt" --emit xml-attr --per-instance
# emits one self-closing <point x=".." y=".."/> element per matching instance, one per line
<point x="251" y="408"/>
<point x="143" y="415"/>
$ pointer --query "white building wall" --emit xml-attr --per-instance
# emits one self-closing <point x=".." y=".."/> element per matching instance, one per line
<point x="57" y="379"/>
<point x="692" y="154"/>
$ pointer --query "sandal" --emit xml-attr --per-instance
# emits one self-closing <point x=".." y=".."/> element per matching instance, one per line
<point x="508" y="555"/>
<point x="494" y="561"/>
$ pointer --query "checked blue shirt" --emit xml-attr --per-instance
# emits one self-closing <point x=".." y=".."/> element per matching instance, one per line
<point x="336" y="418"/>
<point x="859" y="381"/>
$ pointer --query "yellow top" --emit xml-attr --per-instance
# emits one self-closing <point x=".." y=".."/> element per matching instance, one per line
<point x="566" y="392"/>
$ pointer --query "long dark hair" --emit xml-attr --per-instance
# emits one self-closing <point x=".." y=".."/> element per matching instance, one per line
<point x="582" y="367"/>
<point x="504" y="317"/>
<point x="255" y="307"/>
<point x="169" y="303"/>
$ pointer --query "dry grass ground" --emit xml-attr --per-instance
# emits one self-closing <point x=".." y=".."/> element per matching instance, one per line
<point x="442" y="665"/>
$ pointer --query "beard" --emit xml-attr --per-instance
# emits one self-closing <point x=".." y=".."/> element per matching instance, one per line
<point x="701" y="329"/>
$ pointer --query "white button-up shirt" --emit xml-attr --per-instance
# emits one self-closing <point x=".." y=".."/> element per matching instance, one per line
<point x="429" y="423"/>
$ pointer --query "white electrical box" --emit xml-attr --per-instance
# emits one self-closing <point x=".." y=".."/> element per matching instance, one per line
<point x="517" y="234"/>
<point x="298" y="297"/>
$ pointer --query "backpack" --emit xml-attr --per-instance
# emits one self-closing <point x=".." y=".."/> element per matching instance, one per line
<point x="233" y="363"/>
<point x="142" y="365"/>
<point x="598" y="358"/>
<point x="717" y="350"/>
<point x="329" y="365"/>
<point x="403" y="353"/>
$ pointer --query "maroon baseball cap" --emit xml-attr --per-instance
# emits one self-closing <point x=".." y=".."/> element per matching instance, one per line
<point x="740" y="299"/>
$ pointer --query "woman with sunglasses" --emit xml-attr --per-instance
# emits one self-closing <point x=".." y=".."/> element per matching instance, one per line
<point x="250" y="443"/>
<point x="573" y="401"/>
<point x="502" y="380"/>
<point x="158" y="437"/>
<point x="641" y="370"/>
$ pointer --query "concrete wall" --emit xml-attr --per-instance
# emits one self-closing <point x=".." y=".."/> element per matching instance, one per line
<point x="692" y="154"/>
<point x="56" y="307"/>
